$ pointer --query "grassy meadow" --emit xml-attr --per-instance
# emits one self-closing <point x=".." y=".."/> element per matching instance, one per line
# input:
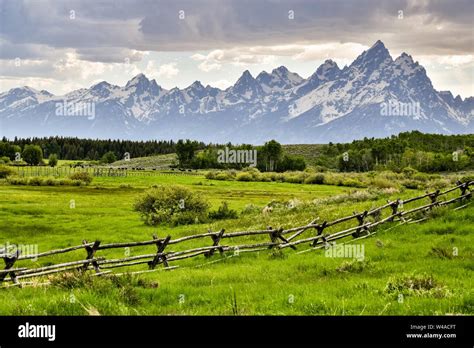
<point x="412" y="269"/>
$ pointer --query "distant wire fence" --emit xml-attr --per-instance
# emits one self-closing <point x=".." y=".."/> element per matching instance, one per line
<point x="29" y="171"/>
<point x="276" y="238"/>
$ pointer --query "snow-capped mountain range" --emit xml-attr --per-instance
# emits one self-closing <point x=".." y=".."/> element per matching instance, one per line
<point x="375" y="96"/>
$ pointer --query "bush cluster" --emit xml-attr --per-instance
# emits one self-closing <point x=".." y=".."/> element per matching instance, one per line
<point x="178" y="205"/>
<point x="409" y="178"/>
<point x="82" y="176"/>
<point x="76" y="179"/>
<point x="43" y="181"/>
<point x="175" y="205"/>
<point x="5" y="171"/>
<point x="223" y="212"/>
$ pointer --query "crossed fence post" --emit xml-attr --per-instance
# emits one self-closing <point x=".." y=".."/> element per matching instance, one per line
<point x="90" y="255"/>
<point x="160" y="245"/>
<point x="9" y="262"/>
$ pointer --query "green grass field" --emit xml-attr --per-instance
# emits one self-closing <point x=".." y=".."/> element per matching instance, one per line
<point x="412" y="269"/>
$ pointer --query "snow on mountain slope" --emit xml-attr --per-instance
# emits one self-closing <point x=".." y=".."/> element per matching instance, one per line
<point x="332" y="104"/>
<point x="279" y="80"/>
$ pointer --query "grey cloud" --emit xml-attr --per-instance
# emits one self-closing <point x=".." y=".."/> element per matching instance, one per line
<point x="110" y="55"/>
<point x="121" y="25"/>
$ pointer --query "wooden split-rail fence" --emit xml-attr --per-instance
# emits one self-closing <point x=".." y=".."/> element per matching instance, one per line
<point x="278" y="238"/>
<point x="27" y="171"/>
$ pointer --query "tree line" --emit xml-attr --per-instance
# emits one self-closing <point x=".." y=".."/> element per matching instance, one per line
<point x="423" y="152"/>
<point x="269" y="157"/>
<point x="68" y="148"/>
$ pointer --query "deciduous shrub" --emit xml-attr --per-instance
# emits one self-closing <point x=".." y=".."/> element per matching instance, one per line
<point x="295" y="178"/>
<point x="5" y="171"/>
<point x="409" y="172"/>
<point x="32" y="154"/>
<point x="222" y="176"/>
<point x="223" y="212"/>
<point x="35" y="181"/>
<point x="411" y="184"/>
<point x="254" y="172"/>
<point x="49" y="182"/>
<point x="53" y="160"/>
<point x="17" y="181"/>
<point x="82" y="176"/>
<point x="43" y="181"/>
<point x="353" y="183"/>
<point x="317" y="179"/>
<point x="244" y="176"/>
<point x="382" y="183"/>
<point x="4" y="159"/>
<point x="175" y="205"/>
<point x="210" y="175"/>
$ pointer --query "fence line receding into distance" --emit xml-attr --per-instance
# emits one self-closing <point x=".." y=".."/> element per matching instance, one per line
<point x="279" y="238"/>
<point x="27" y="171"/>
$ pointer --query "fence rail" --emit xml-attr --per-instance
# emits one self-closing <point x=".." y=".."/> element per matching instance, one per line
<point x="277" y="239"/>
<point x="59" y="172"/>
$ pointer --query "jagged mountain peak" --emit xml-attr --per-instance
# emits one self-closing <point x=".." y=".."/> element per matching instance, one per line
<point x="378" y="45"/>
<point x="246" y="80"/>
<point x="22" y="90"/>
<point x="138" y="80"/>
<point x="263" y="75"/>
<point x="196" y="85"/>
<point x="330" y="63"/>
<point x="281" y="70"/>
<point x="140" y="84"/>
<point x="101" y="85"/>
<point x="247" y="88"/>
<point x="246" y="77"/>
<point x="372" y="58"/>
<point x="46" y="93"/>
<point x="277" y="104"/>
<point x="280" y="79"/>
<point x="446" y="94"/>
<point x="405" y="58"/>
<point x="408" y="67"/>
<point x="326" y="71"/>
<point x="23" y="96"/>
<point x="174" y="90"/>
<point x="139" y="77"/>
<point x="196" y="90"/>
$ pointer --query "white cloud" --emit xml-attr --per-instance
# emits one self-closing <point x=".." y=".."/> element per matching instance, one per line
<point x="156" y="71"/>
<point x="336" y="51"/>
<point x="456" y="60"/>
<point x="211" y="61"/>
<point x="222" y="84"/>
<point x="241" y="57"/>
<point x="344" y="53"/>
<point x="168" y="70"/>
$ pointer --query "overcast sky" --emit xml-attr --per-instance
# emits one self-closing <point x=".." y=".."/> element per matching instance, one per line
<point x="61" y="45"/>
